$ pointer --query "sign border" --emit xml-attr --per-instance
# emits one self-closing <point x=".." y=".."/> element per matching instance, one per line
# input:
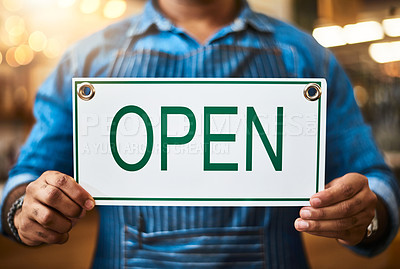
<point x="77" y="81"/>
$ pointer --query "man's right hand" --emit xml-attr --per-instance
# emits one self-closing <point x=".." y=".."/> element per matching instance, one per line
<point x="53" y="204"/>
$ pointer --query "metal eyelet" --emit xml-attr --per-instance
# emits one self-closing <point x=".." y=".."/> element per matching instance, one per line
<point x="312" y="92"/>
<point x="86" y="91"/>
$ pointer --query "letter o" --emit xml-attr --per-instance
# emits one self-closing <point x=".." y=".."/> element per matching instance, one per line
<point x="113" y="138"/>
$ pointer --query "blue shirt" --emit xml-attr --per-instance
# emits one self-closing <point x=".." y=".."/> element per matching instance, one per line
<point x="253" y="45"/>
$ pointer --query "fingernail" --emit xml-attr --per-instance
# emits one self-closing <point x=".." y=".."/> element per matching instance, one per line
<point x="315" y="202"/>
<point x="301" y="224"/>
<point x="89" y="204"/>
<point x="305" y="214"/>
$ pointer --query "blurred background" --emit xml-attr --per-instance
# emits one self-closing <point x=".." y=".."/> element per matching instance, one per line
<point x="363" y="34"/>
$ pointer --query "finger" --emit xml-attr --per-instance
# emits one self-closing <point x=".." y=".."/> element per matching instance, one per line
<point x="29" y="242"/>
<point x="72" y="189"/>
<point x="361" y="219"/>
<point x="49" y="218"/>
<point x="75" y="221"/>
<point x="351" y="207"/>
<point x="339" y="190"/>
<point x="336" y="235"/>
<point x="34" y="233"/>
<point x="55" y="198"/>
<point x="350" y="237"/>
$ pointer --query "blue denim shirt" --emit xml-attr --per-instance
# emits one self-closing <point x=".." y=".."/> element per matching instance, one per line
<point x="149" y="45"/>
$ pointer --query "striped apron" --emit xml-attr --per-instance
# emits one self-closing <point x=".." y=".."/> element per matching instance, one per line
<point x="199" y="237"/>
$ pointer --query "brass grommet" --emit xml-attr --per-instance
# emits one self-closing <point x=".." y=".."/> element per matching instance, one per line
<point x="86" y="91"/>
<point x="315" y="92"/>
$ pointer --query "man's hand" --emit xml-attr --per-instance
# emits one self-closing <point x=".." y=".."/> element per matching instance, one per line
<point x="53" y="204"/>
<point x="342" y="211"/>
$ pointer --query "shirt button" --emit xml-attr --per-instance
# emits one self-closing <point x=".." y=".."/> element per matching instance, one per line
<point x="164" y="25"/>
<point x="238" y="24"/>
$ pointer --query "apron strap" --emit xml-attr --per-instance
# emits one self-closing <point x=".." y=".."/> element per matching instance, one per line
<point x="276" y="53"/>
<point x="116" y="64"/>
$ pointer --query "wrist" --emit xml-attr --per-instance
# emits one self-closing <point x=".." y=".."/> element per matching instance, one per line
<point x="378" y="227"/>
<point x="8" y="202"/>
<point x="16" y="218"/>
<point x="373" y="226"/>
<point x="11" y="217"/>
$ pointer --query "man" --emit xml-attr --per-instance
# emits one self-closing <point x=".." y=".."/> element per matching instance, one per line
<point x="201" y="38"/>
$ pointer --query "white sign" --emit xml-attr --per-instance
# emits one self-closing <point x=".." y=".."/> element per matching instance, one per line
<point x="200" y="142"/>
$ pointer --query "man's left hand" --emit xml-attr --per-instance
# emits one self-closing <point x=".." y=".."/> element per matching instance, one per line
<point x="342" y="211"/>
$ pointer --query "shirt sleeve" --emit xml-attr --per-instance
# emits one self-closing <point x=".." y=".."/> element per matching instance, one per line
<point x="351" y="148"/>
<point x="389" y="197"/>
<point x="49" y="145"/>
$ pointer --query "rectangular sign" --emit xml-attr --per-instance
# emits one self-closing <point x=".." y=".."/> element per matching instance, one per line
<point x="200" y="142"/>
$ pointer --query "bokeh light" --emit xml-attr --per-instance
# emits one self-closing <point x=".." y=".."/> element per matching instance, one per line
<point x="363" y="32"/>
<point x="89" y="6"/>
<point x="65" y="3"/>
<point x="10" y="57"/>
<point x="53" y="48"/>
<point x="361" y="95"/>
<point x="12" y="5"/>
<point x="15" y="25"/>
<point x="24" y="55"/>
<point x="114" y="9"/>
<point x="392" y="69"/>
<point x="385" y="52"/>
<point x="16" y="40"/>
<point x="392" y="27"/>
<point x="1" y="58"/>
<point x="37" y="41"/>
<point x="4" y="38"/>
<point x="330" y="36"/>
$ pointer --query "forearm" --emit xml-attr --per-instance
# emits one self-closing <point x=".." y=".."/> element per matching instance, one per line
<point x="10" y="199"/>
